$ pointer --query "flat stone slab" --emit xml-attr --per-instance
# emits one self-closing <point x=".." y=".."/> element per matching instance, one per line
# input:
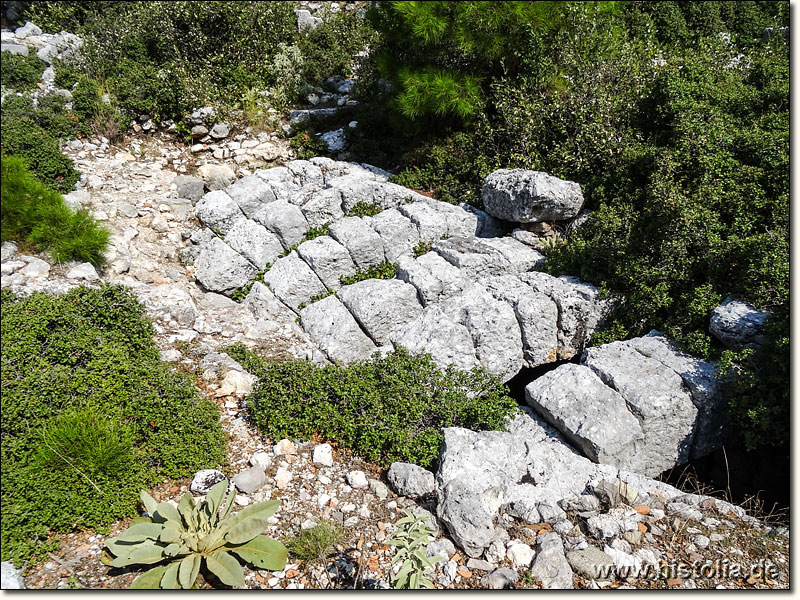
<point x="250" y="193"/>
<point x="526" y="196"/>
<point x="265" y="305"/>
<point x="381" y="307"/>
<point x="328" y="259"/>
<point x="474" y="258"/>
<point x="285" y="220"/>
<point x="448" y="342"/>
<point x="362" y="241"/>
<point x="434" y="277"/>
<point x="590" y="414"/>
<point x="253" y="241"/>
<point x="656" y="396"/>
<point x="293" y="281"/>
<point x="398" y="233"/>
<point x="221" y="269"/>
<point x="335" y="330"/>
<point x="218" y="211"/>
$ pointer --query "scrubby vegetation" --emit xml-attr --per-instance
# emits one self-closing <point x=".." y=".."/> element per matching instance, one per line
<point x="37" y="216"/>
<point x="385" y="409"/>
<point x="672" y="116"/>
<point x="90" y="416"/>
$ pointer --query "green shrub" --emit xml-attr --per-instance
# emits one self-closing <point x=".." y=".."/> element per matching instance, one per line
<point x="90" y="350"/>
<point x="331" y="48"/>
<point x="33" y="214"/>
<point x="314" y="543"/>
<point x="364" y="209"/>
<point x="21" y="73"/>
<point x="40" y="150"/>
<point x="385" y="409"/>
<point x="86" y="441"/>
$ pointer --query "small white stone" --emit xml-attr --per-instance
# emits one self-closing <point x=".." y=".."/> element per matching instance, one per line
<point x="262" y="459"/>
<point x="324" y="479"/>
<point x="357" y="479"/>
<point x="273" y="581"/>
<point x="282" y="478"/>
<point x="323" y="455"/>
<point x="520" y="555"/>
<point x="284" y="447"/>
<point x="242" y="500"/>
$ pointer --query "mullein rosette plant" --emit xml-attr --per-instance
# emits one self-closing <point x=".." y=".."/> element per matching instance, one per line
<point x="411" y="540"/>
<point x="180" y="540"/>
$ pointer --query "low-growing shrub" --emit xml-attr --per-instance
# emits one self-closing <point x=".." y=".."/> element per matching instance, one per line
<point x="38" y="216"/>
<point x="89" y="351"/>
<point x="385" y="409"/>
<point x="25" y="138"/>
<point x="21" y="73"/>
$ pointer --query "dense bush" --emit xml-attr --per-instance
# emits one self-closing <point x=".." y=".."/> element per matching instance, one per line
<point x="677" y="134"/>
<point x="385" y="409"/>
<point x="34" y="135"/>
<point x="21" y="73"/>
<point x="90" y="415"/>
<point x="38" y="217"/>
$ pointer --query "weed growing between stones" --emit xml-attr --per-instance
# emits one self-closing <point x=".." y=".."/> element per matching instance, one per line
<point x="89" y="351"/>
<point x="241" y="294"/>
<point x="36" y="215"/>
<point x="422" y="248"/>
<point x="385" y="409"/>
<point x="315" y="542"/>
<point x="364" y="209"/>
<point x="384" y="270"/>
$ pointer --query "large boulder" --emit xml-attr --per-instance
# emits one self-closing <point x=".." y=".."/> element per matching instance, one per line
<point x="530" y="196"/>
<point x="738" y="325"/>
<point x="221" y="269"/>
<point x="382" y="307"/>
<point x="335" y="330"/>
<point x="590" y="414"/>
<point x="530" y="465"/>
<point x="520" y="256"/>
<point x="216" y="177"/>
<point x="699" y="377"/>
<point x="656" y="396"/>
<point x="431" y="223"/>
<point x="11" y="578"/>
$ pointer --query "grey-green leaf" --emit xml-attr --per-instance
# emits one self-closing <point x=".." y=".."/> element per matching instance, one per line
<point x="189" y="568"/>
<point x="263" y="553"/>
<point x="148" y="501"/>
<point x="168" y="512"/>
<point x="215" y="496"/>
<point x="149" y="580"/>
<point x="141" y="532"/>
<point x="227" y="568"/>
<point x="170" y="579"/>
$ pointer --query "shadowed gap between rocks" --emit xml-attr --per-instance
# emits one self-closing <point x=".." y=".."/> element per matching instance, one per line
<point x="730" y="471"/>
